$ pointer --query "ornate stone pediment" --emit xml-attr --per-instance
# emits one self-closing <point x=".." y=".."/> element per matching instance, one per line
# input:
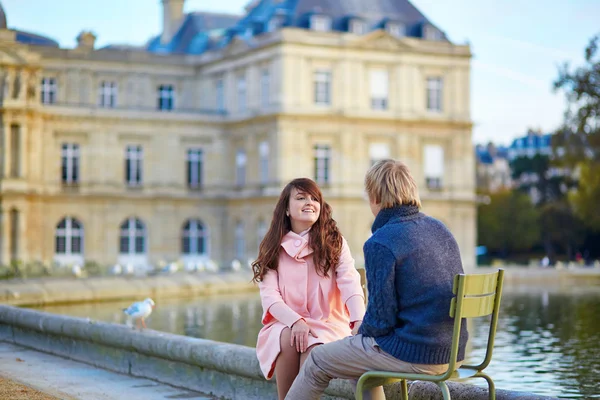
<point x="14" y="54"/>
<point x="380" y="40"/>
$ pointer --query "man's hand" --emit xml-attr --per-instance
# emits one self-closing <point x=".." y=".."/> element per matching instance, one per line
<point x="357" y="325"/>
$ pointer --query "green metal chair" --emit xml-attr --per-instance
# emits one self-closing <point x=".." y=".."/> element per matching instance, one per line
<point x="477" y="295"/>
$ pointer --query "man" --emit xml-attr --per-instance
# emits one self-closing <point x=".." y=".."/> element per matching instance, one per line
<point x="410" y="261"/>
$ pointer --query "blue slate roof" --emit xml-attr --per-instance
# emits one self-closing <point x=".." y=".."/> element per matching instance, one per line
<point x="34" y="39"/>
<point x="532" y="141"/>
<point x="200" y="31"/>
<point x="487" y="154"/>
<point x="196" y="33"/>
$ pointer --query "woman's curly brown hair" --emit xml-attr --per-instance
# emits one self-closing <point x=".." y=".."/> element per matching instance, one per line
<point x="324" y="236"/>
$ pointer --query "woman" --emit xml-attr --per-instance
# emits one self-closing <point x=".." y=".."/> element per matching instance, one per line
<point x="309" y="287"/>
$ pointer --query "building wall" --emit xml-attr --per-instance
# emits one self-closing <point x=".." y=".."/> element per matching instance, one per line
<point x="289" y="122"/>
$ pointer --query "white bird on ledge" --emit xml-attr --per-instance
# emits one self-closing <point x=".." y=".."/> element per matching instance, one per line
<point x="140" y="310"/>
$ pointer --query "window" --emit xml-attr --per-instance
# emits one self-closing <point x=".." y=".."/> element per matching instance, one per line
<point x="323" y="87"/>
<point x="395" y="29"/>
<point x="379" y="89"/>
<point x="195" y="160"/>
<point x="70" y="163"/>
<point x="15" y="151"/>
<point x="263" y="153"/>
<point x="378" y="152"/>
<point x="432" y="33"/>
<point x="108" y="94"/>
<point x="241" y="93"/>
<point x="240" y="241"/>
<point x="14" y="234"/>
<point x="357" y="26"/>
<point x="240" y="167"/>
<point x="320" y="23"/>
<point x="166" y="96"/>
<point x="49" y="89"/>
<point x="261" y="231"/>
<point x="220" y="94"/>
<point x="265" y="88"/>
<point x="133" y="165"/>
<point x="275" y="23"/>
<point x="133" y="237"/>
<point x="69" y="237"/>
<point x="434" y="94"/>
<point x="434" y="166"/>
<point x="322" y="163"/>
<point x="193" y="238"/>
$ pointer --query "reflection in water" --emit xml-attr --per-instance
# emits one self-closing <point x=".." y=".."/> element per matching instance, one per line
<point x="546" y="343"/>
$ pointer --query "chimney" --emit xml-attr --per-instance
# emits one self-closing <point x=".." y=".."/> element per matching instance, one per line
<point x="86" y="40"/>
<point x="172" y="16"/>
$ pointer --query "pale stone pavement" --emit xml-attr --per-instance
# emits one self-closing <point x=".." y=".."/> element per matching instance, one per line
<point x="59" y="378"/>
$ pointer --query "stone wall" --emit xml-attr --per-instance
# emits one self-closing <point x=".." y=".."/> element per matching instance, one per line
<point x="225" y="370"/>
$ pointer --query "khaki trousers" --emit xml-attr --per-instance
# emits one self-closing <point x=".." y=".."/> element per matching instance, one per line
<point x="349" y="358"/>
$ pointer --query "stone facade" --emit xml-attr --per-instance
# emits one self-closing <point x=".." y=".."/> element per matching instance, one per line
<point x="289" y="103"/>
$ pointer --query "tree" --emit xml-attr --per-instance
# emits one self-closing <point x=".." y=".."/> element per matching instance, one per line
<point x="509" y="223"/>
<point x="561" y="228"/>
<point x="587" y="197"/>
<point x="578" y="140"/>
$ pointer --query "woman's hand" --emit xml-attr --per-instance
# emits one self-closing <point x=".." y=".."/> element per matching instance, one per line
<point x="355" y="327"/>
<point x="299" y="336"/>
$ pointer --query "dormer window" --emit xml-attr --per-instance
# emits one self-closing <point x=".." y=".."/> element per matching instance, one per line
<point x="320" y="23"/>
<point x="431" y="33"/>
<point x="395" y="29"/>
<point x="275" y="23"/>
<point x="357" y="26"/>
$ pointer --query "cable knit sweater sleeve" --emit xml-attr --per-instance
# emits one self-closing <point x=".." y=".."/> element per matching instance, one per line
<point x="382" y="305"/>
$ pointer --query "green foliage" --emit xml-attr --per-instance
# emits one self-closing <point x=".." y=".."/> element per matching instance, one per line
<point x="562" y="229"/>
<point x="509" y="223"/>
<point x="578" y="141"/>
<point x="586" y="200"/>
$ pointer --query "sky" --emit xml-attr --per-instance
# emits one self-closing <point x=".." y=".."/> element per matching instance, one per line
<point x="517" y="46"/>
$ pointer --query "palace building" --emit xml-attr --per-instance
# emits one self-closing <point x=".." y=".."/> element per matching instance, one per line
<point x="178" y="150"/>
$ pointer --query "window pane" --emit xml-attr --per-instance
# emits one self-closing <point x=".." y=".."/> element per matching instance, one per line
<point x="186" y="245"/>
<point x="128" y="170"/>
<point x="124" y="245"/>
<point x="201" y="245"/>
<point x="61" y="245"/>
<point x="76" y="245"/>
<point x="139" y="245"/>
<point x="75" y="170"/>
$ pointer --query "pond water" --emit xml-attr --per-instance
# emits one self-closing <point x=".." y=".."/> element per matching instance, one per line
<point x="548" y="340"/>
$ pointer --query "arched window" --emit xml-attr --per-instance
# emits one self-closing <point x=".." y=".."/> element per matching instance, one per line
<point x="240" y="242"/>
<point x="194" y="238"/>
<point x="261" y="231"/>
<point x="69" y="237"/>
<point x="132" y="237"/>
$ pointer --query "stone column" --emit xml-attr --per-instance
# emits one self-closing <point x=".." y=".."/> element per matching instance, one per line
<point x="7" y="148"/>
<point x="9" y="80"/>
<point x="22" y="95"/>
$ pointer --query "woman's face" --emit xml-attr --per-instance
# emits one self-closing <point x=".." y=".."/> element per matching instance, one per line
<point x="303" y="210"/>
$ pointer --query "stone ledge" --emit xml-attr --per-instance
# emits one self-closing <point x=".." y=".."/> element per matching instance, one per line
<point x="226" y="370"/>
<point x="36" y="292"/>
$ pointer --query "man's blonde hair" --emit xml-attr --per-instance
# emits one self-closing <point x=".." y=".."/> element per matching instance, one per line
<point x="389" y="183"/>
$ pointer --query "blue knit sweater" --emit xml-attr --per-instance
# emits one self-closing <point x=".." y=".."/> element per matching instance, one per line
<point x="410" y="262"/>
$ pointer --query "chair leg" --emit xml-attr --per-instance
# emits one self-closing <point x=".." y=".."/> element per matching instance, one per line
<point x="359" y="389"/>
<point x="445" y="391"/>
<point x="491" y="386"/>
<point x="404" y="387"/>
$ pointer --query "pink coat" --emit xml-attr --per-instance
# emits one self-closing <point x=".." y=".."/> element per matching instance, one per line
<point x="328" y="305"/>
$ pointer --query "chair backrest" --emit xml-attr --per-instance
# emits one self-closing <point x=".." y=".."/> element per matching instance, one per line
<point x="477" y="295"/>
